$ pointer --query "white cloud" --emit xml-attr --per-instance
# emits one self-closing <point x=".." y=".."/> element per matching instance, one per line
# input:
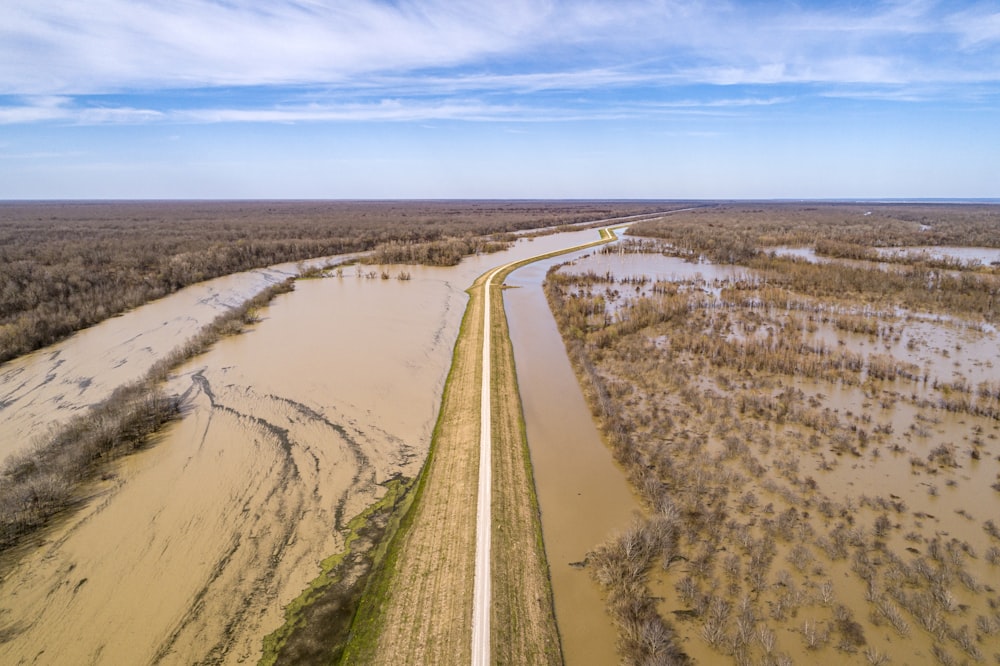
<point x="976" y="29"/>
<point x="440" y="49"/>
<point x="36" y="109"/>
<point x="402" y="109"/>
<point x="63" y="109"/>
<point x="108" y="45"/>
<point x="388" y="110"/>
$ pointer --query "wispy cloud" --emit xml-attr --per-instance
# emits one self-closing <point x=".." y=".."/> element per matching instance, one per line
<point x="386" y="111"/>
<point x="469" y="59"/>
<point x="36" y="109"/>
<point x="110" y="45"/>
<point x="63" y="108"/>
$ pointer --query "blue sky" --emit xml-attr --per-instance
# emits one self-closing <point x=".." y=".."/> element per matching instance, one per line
<point x="514" y="99"/>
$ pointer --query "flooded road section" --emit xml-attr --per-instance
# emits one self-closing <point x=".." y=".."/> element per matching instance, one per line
<point x="190" y="549"/>
<point x="582" y="493"/>
<point x="44" y="389"/>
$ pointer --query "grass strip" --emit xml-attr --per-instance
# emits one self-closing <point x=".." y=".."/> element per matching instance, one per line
<point x="370" y="620"/>
<point x="511" y="625"/>
<point x="318" y="621"/>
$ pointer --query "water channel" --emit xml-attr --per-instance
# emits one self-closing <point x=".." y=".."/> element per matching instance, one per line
<point x="583" y="494"/>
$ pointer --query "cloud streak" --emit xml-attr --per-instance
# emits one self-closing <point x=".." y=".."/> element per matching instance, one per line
<point x="468" y="59"/>
<point x="111" y="45"/>
<point x="64" y="109"/>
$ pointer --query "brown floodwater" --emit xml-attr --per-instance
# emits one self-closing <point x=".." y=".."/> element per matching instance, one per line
<point x="951" y="501"/>
<point x="984" y="255"/>
<point x="583" y="495"/>
<point x="654" y="266"/>
<point x="195" y="545"/>
<point x="44" y="389"/>
<point x="188" y="551"/>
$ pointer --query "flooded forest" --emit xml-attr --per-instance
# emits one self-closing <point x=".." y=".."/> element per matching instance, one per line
<point x="807" y="401"/>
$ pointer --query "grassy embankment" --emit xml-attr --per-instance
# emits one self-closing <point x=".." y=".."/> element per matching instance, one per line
<point x="317" y="621"/>
<point x="418" y="605"/>
<point x="48" y="478"/>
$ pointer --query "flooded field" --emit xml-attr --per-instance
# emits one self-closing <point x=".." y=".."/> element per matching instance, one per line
<point x="192" y="547"/>
<point x="825" y="473"/>
<point x="985" y="256"/>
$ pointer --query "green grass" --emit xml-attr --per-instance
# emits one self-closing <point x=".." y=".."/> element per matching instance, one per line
<point x="332" y="572"/>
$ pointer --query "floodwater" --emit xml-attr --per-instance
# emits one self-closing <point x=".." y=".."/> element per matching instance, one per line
<point x="44" y="389"/>
<point x="656" y="267"/>
<point x="196" y="544"/>
<point x="189" y="550"/>
<point x="985" y="255"/>
<point x="947" y="501"/>
<point x="583" y="495"/>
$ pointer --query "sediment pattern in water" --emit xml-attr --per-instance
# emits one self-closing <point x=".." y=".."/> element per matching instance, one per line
<point x="44" y="389"/>
<point x="189" y="550"/>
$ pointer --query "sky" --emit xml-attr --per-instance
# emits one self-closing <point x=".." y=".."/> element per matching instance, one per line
<point x="586" y="99"/>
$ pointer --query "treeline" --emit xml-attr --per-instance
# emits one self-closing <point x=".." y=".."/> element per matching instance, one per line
<point x="44" y="480"/>
<point x="445" y="252"/>
<point x="842" y="250"/>
<point x="913" y="287"/>
<point x="66" y="266"/>
<point x="732" y="233"/>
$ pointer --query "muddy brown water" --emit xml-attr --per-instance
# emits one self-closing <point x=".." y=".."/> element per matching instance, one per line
<point x="949" y="503"/>
<point x="196" y="544"/>
<point x="44" y="389"/>
<point x="189" y="550"/>
<point x="985" y="255"/>
<point x="583" y="494"/>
